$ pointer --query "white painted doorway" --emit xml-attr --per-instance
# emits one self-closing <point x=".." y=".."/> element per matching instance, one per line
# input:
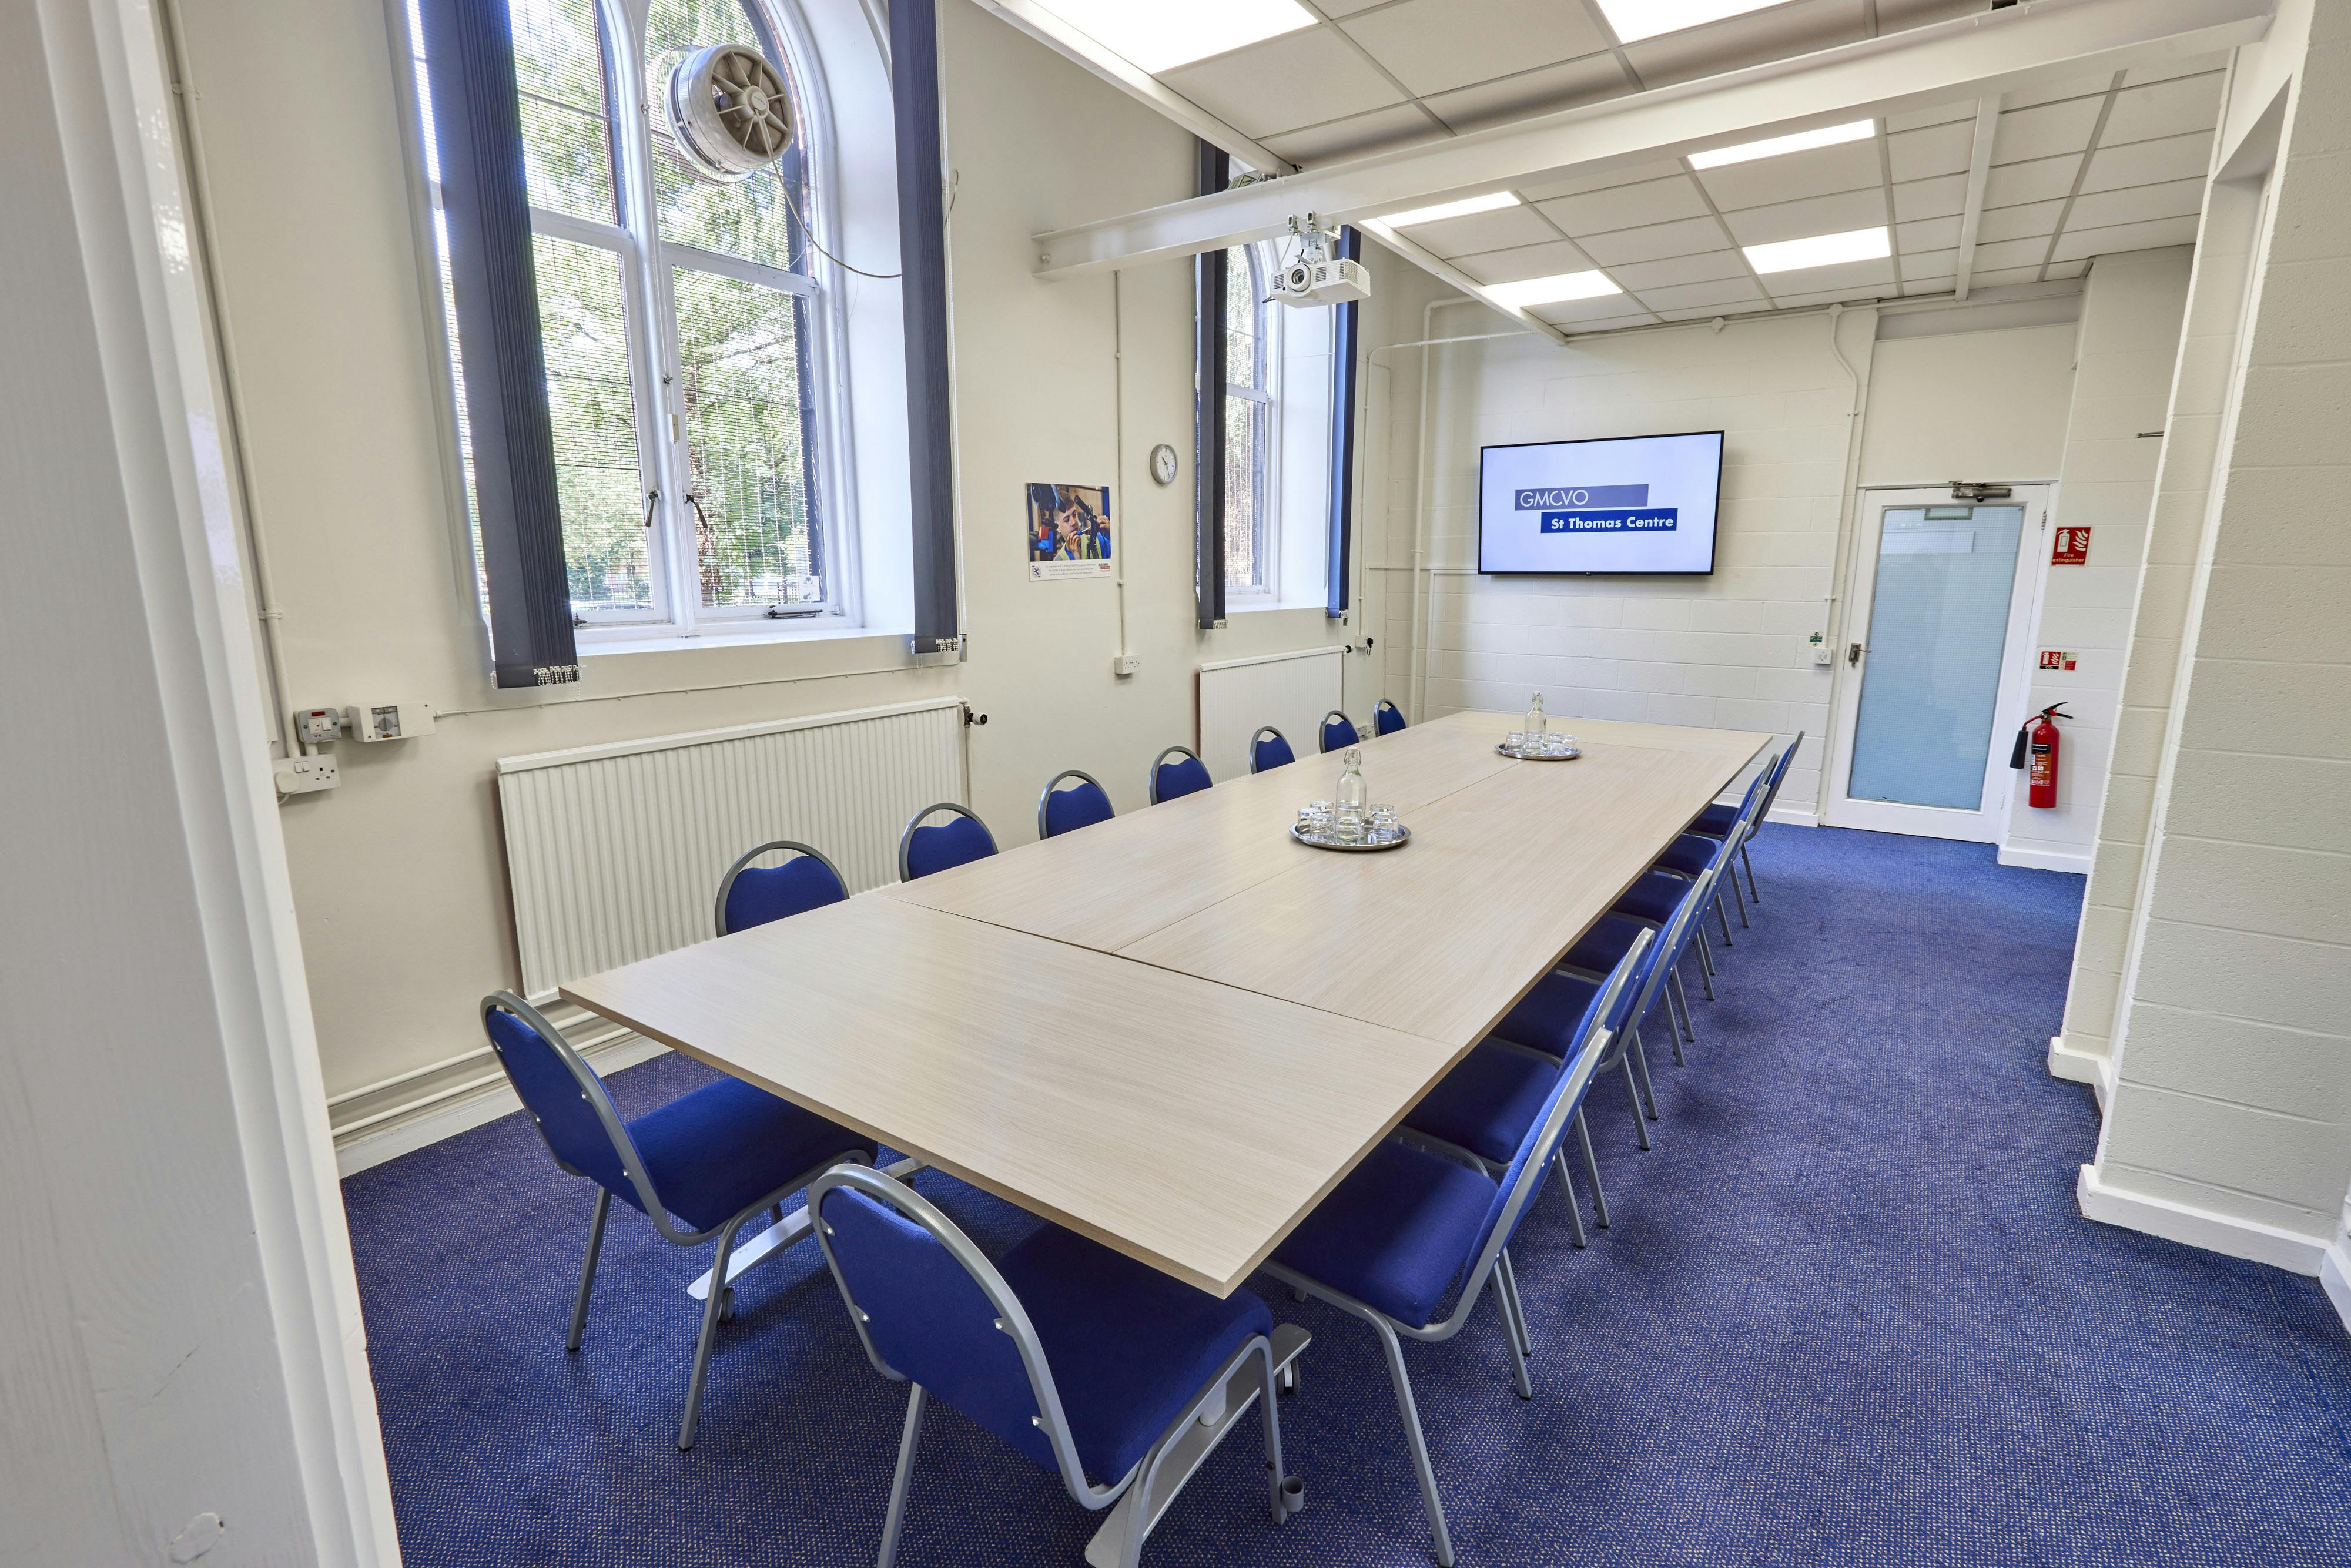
<point x="1933" y="674"/>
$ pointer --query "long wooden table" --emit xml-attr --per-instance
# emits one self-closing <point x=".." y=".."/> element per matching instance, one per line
<point x="1175" y="1031"/>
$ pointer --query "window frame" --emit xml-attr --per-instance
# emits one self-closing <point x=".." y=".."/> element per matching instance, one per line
<point x="650" y="320"/>
<point x="1266" y="473"/>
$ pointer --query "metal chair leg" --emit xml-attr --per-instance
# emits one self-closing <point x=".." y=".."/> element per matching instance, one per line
<point x="1440" y="1539"/>
<point x="908" y="1440"/>
<point x="1719" y="915"/>
<point x="1736" y="897"/>
<point x="1509" y="1272"/>
<point x="588" y="1267"/>
<point x="1641" y="1060"/>
<point x="1706" y="965"/>
<point x="1521" y="1384"/>
<point x="713" y="1306"/>
<point x="1592" y="1169"/>
<point x="1750" y="863"/>
<point x="1277" y="1495"/>
<point x="1675" y="1025"/>
<point x="1574" y="1207"/>
<point x="1681" y="994"/>
<point x="1633" y="1093"/>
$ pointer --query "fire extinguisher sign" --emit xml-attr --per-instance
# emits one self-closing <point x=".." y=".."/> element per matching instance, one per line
<point x="2072" y="547"/>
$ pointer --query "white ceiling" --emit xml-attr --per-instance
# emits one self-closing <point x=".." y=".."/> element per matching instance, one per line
<point x="2106" y="164"/>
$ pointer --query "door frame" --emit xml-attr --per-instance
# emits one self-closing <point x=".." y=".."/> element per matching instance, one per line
<point x="1989" y="822"/>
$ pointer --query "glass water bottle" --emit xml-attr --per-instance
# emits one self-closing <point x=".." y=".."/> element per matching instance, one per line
<point x="1350" y="810"/>
<point x="1536" y="725"/>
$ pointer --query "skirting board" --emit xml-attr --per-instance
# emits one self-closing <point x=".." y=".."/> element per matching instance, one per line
<point x="1794" y="817"/>
<point x="2291" y="1250"/>
<point x="2095" y="1068"/>
<point x="2046" y="860"/>
<point x="2334" y="1273"/>
<point x="438" y="1115"/>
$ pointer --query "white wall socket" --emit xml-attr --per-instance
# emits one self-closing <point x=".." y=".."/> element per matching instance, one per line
<point x="1125" y="664"/>
<point x="304" y="775"/>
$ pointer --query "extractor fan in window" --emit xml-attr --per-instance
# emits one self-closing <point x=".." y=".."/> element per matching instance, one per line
<point x="727" y="110"/>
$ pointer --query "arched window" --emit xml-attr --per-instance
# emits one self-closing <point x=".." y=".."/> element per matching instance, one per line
<point x="684" y="324"/>
<point x="1252" y="412"/>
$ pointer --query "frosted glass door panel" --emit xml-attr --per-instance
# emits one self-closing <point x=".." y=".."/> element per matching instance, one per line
<point x="1930" y="679"/>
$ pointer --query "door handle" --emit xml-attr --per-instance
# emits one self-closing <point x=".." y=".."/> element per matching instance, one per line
<point x="1853" y="652"/>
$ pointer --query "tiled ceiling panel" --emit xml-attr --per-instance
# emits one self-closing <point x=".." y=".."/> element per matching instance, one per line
<point x="1629" y="206"/>
<point x="1431" y="45"/>
<point x="1822" y="170"/>
<point x="1547" y="260"/>
<point x="1543" y="91"/>
<point x="1300" y="79"/>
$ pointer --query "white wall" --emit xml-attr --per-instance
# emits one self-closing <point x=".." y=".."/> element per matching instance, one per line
<point x="2230" y="1121"/>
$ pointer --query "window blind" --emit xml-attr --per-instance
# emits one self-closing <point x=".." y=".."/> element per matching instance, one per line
<point x="1216" y="167"/>
<point x="1342" y="438"/>
<point x="923" y="261"/>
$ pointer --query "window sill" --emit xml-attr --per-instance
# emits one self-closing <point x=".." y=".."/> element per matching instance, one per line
<point x="594" y="643"/>
<point x="1256" y="606"/>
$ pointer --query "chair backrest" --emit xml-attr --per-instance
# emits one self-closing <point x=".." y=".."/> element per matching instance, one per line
<point x="928" y="1306"/>
<point x="567" y="1100"/>
<point x="1186" y="775"/>
<point x="1779" y="776"/>
<point x="752" y="895"/>
<point x="1063" y="810"/>
<point x="1338" y="731"/>
<point x="1524" y="1179"/>
<point x="962" y="837"/>
<point x="1268" y="747"/>
<point x="1387" y="719"/>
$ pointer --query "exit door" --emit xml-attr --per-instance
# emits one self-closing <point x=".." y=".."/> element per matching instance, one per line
<point x="1932" y="677"/>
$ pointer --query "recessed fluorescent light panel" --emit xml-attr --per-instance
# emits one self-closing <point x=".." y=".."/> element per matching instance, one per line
<point x="1492" y="201"/>
<point x="1555" y="290"/>
<point x="1159" y="34"/>
<point x="1802" y="141"/>
<point x="1636" y="19"/>
<point x="1821" y="250"/>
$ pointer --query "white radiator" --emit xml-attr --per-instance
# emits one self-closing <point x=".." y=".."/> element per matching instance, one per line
<point x="1290" y="692"/>
<point x="614" y="852"/>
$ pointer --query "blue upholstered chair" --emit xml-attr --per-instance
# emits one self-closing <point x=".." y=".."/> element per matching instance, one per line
<point x="1088" y="1363"/>
<point x="1177" y="772"/>
<point x="1716" y="821"/>
<point x="752" y="895"/>
<point x="1082" y="805"/>
<point x="1409" y="1227"/>
<point x="699" y="1169"/>
<point x="962" y="837"/>
<point x="1269" y="748"/>
<point x="1483" y="1107"/>
<point x="1387" y="719"/>
<point x="1339" y="731"/>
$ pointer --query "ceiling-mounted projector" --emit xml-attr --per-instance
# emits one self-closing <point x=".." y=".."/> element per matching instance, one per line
<point x="1312" y="275"/>
<point x="727" y="111"/>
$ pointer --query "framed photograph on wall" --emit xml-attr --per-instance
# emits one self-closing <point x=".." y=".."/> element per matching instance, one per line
<point x="1069" y="533"/>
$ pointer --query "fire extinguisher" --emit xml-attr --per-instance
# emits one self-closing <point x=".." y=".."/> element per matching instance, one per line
<point x="2037" y="740"/>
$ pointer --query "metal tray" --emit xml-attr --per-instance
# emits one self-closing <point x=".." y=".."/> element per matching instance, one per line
<point x="1403" y="837"/>
<point x="1570" y="755"/>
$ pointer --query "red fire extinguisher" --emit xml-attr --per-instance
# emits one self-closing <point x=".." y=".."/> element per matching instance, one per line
<point x="2036" y="748"/>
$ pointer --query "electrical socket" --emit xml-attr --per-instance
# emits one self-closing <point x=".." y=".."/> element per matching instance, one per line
<point x="304" y="775"/>
<point x="1125" y="664"/>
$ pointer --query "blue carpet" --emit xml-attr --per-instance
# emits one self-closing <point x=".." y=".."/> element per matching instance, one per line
<point x="1849" y="1314"/>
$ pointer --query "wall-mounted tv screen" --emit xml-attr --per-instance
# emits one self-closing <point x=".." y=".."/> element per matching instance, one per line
<point x="1640" y="504"/>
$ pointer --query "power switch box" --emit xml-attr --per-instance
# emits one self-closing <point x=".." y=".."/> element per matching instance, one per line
<point x="390" y="721"/>
<point x="319" y="726"/>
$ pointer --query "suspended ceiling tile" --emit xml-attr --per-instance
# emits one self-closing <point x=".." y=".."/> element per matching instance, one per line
<point x="1864" y="275"/>
<point x="1628" y="206"/>
<point x="2072" y="86"/>
<point x="1774" y="33"/>
<point x="1708" y="312"/>
<point x="1850" y="295"/>
<point x="2034" y="220"/>
<point x="2002" y="276"/>
<point x="1431" y="45"/>
<point x="1941" y="283"/>
<point x="1941" y="114"/>
<point x="2042" y="180"/>
<point x="2194" y="66"/>
<point x="1706" y="266"/>
<point x="2029" y="252"/>
<point x="1525" y="261"/>
<point x="2138" y="205"/>
<point x="1382" y="131"/>
<point x="1931" y="198"/>
<point x="1300" y="78"/>
<point x="1927" y="234"/>
<point x="1822" y="171"/>
<point x="1543" y="91"/>
<point x="2048" y="131"/>
<point x="2149" y="163"/>
<point x="1601" y="180"/>
<point x="2165" y="108"/>
<point x="1721" y="291"/>
<point x="1685" y="239"/>
<point x="2066" y="269"/>
<point x="1895" y="15"/>
<point x="2076" y="243"/>
<point x="1928" y="263"/>
<point x="1800" y="220"/>
<point x="1497" y="230"/>
<point x="1938" y="150"/>
<point x="1347" y="7"/>
<point x="1608" y="307"/>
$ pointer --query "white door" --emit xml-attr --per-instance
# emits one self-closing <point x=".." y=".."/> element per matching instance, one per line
<point x="1932" y="678"/>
